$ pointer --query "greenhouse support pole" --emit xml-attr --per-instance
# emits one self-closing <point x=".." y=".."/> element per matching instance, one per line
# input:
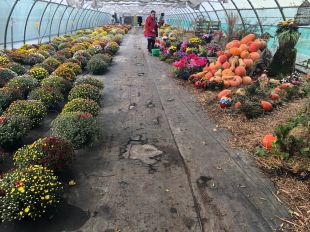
<point x="97" y="19"/>
<point x="52" y="20"/>
<point x="205" y="12"/>
<point x="91" y="18"/>
<point x="281" y="10"/>
<point x="94" y="19"/>
<point x="183" y="16"/>
<point x="60" y="21"/>
<point x="73" y="21"/>
<point x="69" y="19"/>
<point x="77" y="25"/>
<point x="89" y="14"/>
<point x="7" y="23"/>
<point x="238" y="10"/>
<point x="176" y="17"/>
<point x="258" y="19"/>
<point x="28" y="16"/>
<point x="215" y="11"/>
<point x="41" y="19"/>
<point x="223" y="8"/>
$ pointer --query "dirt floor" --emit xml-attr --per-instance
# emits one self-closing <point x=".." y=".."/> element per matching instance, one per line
<point x="161" y="163"/>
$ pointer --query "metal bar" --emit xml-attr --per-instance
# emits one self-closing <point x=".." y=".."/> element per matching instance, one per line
<point x="206" y="11"/>
<point x="281" y="10"/>
<point x="186" y="15"/>
<point x="258" y="19"/>
<point x="28" y="16"/>
<point x="86" y="21"/>
<point x="94" y="19"/>
<point x="42" y="18"/>
<point x="238" y="10"/>
<point x="223" y="8"/>
<point x="68" y="20"/>
<point x="215" y="11"/>
<point x="87" y="13"/>
<point x="52" y="20"/>
<point x="60" y="21"/>
<point x="77" y="12"/>
<point x="91" y="19"/>
<point x="84" y="11"/>
<point x="7" y="23"/>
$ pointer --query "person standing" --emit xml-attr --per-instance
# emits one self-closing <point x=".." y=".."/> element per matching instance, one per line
<point x="150" y="30"/>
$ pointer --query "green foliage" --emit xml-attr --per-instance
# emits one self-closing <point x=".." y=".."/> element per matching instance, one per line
<point x="38" y="73"/>
<point x="58" y="83"/>
<point x="6" y="75"/>
<point x="12" y="129"/>
<point x="23" y="83"/>
<point x="50" y="97"/>
<point x="78" y="128"/>
<point x="85" y="91"/>
<point x="17" y="68"/>
<point x="82" y="105"/>
<point x="52" y="62"/>
<point x="33" y="58"/>
<point x="112" y="47"/>
<point x="8" y="95"/>
<point x="97" y="65"/>
<point x="28" y="193"/>
<point x="89" y="80"/>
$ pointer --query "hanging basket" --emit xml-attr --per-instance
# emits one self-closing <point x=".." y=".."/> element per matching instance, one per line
<point x="303" y="14"/>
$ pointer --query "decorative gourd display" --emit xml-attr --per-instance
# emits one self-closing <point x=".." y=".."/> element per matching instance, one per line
<point x="248" y="38"/>
<point x="248" y="63"/>
<point x="268" y="140"/>
<point x="226" y="65"/>
<point x="227" y="72"/>
<point x="254" y="56"/>
<point x="245" y="54"/>
<point x="267" y="106"/>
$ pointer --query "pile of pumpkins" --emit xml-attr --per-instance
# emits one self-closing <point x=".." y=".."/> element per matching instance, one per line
<point x="232" y="64"/>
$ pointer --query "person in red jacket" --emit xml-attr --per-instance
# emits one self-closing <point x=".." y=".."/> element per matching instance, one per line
<point x="150" y="29"/>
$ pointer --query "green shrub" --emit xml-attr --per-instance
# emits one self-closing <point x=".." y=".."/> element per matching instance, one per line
<point x="89" y="80"/>
<point x="17" y="68"/>
<point x="6" y="75"/>
<point x="78" y="128"/>
<point x="4" y="60"/>
<point x="12" y="129"/>
<point x="75" y="67"/>
<point x="33" y="58"/>
<point x="52" y="62"/>
<point x="50" y="97"/>
<point x="32" y="109"/>
<point x="85" y="91"/>
<point x="51" y="152"/>
<point x="60" y="58"/>
<point x="112" y="47"/>
<point x="82" y="105"/>
<point x="82" y="59"/>
<point x="28" y="193"/>
<point x="38" y="73"/>
<point x="56" y="82"/>
<point x="83" y="53"/>
<point x="8" y="95"/>
<point x="96" y="65"/>
<point x="65" y="72"/>
<point x="23" y="83"/>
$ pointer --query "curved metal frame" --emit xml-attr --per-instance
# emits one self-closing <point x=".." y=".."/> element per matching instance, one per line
<point x="84" y="11"/>
<point x="225" y="10"/>
<point x="88" y="16"/>
<point x="42" y="16"/>
<point x="28" y="16"/>
<point x="68" y="19"/>
<point x="52" y="20"/>
<point x="60" y="21"/>
<point x="238" y="10"/>
<point x="257" y="16"/>
<point x="91" y="19"/>
<point x="96" y="19"/>
<point x="280" y="9"/>
<point x="215" y="11"/>
<point x="73" y="21"/>
<point x="190" y="20"/>
<point x="82" y="23"/>
<point x="8" y="21"/>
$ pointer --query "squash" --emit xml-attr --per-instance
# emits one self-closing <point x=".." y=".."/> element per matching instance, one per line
<point x="246" y="80"/>
<point x="241" y="92"/>
<point x="222" y="59"/>
<point x="227" y="72"/>
<point x="233" y="44"/>
<point x="274" y="81"/>
<point x="213" y="71"/>
<point x="248" y="63"/>
<point x="245" y="54"/>
<point x="241" y="63"/>
<point x="235" y="51"/>
<point x="277" y="90"/>
<point x="218" y="79"/>
<point x="254" y="47"/>
<point x="248" y="38"/>
<point x="234" y="61"/>
<point x="274" y="96"/>
<point x="218" y="65"/>
<point x="236" y="81"/>
<point x="263" y="45"/>
<point x="218" y="73"/>
<point x="237" y="105"/>
<point x="208" y="75"/>
<point x="254" y="56"/>
<point x="206" y="68"/>
<point x="224" y="93"/>
<point x="285" y="85"/>
<point x="268" y="140"/>
<point x="244" y="47"/>
<point x="266" y="105"/>
<point x="240" y="71"/>
<point x="226" y="84"/>
<point x="219" y="53"/>
<point x="226" y="65"/>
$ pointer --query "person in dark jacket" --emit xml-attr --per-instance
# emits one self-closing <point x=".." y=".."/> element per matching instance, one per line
<point x="150" y="30"/>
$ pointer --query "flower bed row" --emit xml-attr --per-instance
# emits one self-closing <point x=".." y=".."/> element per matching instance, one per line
<point x="32" y="187"/>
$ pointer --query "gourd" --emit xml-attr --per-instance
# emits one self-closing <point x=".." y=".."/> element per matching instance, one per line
<point x="274" y="96"/>
<point x="244" y="47"/>
<point x="209" y="75"/>
<point x="248" y="63"/>
<point x="245" y="54"/>
<point x="254" y="47"/>
<point x="277" y="90"/>
<point x="224" y="93"/>
<point x="226" y="84"/>
<point x="248" y="38"/>
<point x="241" y="63"/>
<point x="240" y="71"/>
<point x="254" y="56"/>
<point x="226" y="65"/>
<point x="222" y="59"/>
<point x="233" y="44"/>
<point x="227" y="72"/>
<point x="235" y="51"/>
<point x="241" y="92"/>
<point x="237" y="105"/>
<point x="246" y="80"/>
<point x="284" y="85"/>
<point x="236" y="81"/>
<point x="268" y="140"/>
<point x="218" y="79"/>
<point x="266" y="105"/>
<point x="218" y="73"/>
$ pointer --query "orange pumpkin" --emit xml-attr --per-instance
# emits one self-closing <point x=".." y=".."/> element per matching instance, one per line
<point x="237" y="105"/>
<point x="209" y="75"/>
<point x="233" y="44"/>
<point x="274" y="96"/>
<point x="227" y="72"/>
<point x="226" y="65"/>
<point x="248" y="62"/>
<point x="268" y="140"/>
<point x="219" y="53"/>
<point x="240" y="71"/>
<point x="206" y="68"/>
<point x="213" y="70"/>
<point x="245" y="54"/>
<point x="226" y="84"/>
<point x="236" y="81"/>
<point x="222" y="59"/>
<point x="246" y="80"/>
<point x="235" y="51"/>
<point x="224" y="93"/>
<point x="244" y="47"/>
<point x="277" y="90"/>
<point x="218" y="79"/>
<point x="266" y="105"/>
<point x="248" y="38"/>
<point x="254" y="56"/>
<point x="284" y="85"/>
<point x="218" y="65"/>
<point x="254" y="47"/>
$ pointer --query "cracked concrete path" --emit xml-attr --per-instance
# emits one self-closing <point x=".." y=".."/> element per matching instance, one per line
<point x="159" y="166"/>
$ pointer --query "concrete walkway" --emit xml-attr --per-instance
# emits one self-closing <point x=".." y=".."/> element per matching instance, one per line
<point x="159" y="165"/>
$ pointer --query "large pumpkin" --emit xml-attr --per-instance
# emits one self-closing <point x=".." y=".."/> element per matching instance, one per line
<point x="248" y="38"/>
<point x="236" y="81"/>
<point x="248" y="62"/>
<point x="226" y="65"/>
<point x="222" y="59"/>
<point x="209" y="75"/>
<point x="224" y="93"/>
<point x="244" y="47"/>
<point x="240" y="71"/>
<point x="245" y="54"/>
<point x="254" y="56"/>
<point x="235" y="51"/>
<point x="233" y="44"/>
<point x="268" y="140"/>
<point x="218" y="79"/>
<point x="274" y="96"/>
<point x="227" y="72"/>
<point x="246" y="80"/>
<point x="266" y="105"/>
<point x="254" y="47"/>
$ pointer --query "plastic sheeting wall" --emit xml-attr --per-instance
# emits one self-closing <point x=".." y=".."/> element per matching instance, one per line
<point x="263" y="13"/>
<point x="23" y="21"/>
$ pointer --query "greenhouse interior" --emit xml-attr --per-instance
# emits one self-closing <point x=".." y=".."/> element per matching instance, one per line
<point x="154" y="116"/>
